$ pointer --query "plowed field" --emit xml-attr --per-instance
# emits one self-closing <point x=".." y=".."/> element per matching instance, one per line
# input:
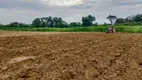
<point x="70" y="56"/>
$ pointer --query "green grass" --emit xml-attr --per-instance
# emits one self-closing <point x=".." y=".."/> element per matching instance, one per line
<point x="130" y="29"/>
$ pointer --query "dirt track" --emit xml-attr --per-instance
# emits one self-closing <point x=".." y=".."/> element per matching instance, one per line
<point x="71" y="56"/>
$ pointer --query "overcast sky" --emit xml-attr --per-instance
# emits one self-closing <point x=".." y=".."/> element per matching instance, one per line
<point x="70" y="10"/>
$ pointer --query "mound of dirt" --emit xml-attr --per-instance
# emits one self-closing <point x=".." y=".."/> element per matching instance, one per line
<point x="71" y="56"/>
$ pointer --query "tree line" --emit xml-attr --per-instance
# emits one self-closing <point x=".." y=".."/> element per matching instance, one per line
<point x="130" y="20"/>
<point x="58" y="22"/>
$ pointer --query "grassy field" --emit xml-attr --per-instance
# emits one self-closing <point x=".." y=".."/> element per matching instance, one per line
<point x="130" y="29"/>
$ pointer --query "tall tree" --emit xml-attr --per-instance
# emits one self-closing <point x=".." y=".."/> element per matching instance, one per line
<point x="138" y="18"/>
<point x="37" y="22"/>
<point x="112" y="19"/>
<point x="57" y="22"/>
<point x="50" y="21"/>
<point x="88" y="21"/>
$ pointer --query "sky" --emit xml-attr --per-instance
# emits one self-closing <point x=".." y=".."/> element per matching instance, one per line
<point x="26" y="11"/>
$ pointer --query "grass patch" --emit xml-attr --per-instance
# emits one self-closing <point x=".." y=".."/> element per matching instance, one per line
<point x="130" y="29"/>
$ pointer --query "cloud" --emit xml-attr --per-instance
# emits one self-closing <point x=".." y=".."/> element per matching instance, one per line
<point x="62" y="2"/>
<point x="69" y="10"/>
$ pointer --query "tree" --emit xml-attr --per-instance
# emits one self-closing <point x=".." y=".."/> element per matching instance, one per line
<point x="129" y="19"/>
<point x="75" y="24"/>
<point x="112" y="19"/>
<point x="88" y="21"/>
<point x="37" y="22"/>
<point x="18" y="24"/>
<point x="58" y="22"/>
<point x="120" y="21"/>
<point x="138" y="18"/>
<point x="45" y="20"/>
<point x="49" y="22"/>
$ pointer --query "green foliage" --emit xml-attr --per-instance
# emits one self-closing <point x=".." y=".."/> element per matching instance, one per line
<point x="130" y="20"/>
<point x="130" y="24"/>
<point x="88" y="21"/>
<point x="56" y="24"/>
<point x="49" y="22"/>
<point x="120" y="20"/>
<point x="130" y="29"/>
<point x="75" y="24"/>
<point x="37" y="22"/>
<point x="137" y="18"/>
<point x="17" y="24"/>
<point x="112" y="19"/>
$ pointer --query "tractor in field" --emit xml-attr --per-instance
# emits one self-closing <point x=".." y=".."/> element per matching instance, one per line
<point x="112" y="20"/>
<point x="110" y="30"/>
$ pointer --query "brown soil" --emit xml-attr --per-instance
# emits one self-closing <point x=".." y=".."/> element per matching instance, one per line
<point x="71" y="56"/>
